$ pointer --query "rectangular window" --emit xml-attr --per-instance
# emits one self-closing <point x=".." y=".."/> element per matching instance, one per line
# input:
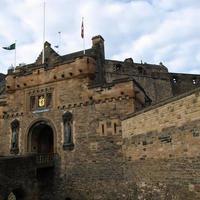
<point x="115" y="128"/>
<point x="32" y="102"/>
<point x="48" y="100"/>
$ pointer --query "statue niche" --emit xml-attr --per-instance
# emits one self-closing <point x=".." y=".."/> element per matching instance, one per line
<point x="14" y="139"/>
<point x="68" y="132"/>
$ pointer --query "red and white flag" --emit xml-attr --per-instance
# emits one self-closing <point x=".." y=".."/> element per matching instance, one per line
<point x="82" y="29"/>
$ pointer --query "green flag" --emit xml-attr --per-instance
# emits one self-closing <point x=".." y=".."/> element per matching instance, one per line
<point x="11" y="47"/>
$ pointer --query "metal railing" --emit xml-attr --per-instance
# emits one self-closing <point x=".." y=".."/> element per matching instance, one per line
<point x="45" y="159"/>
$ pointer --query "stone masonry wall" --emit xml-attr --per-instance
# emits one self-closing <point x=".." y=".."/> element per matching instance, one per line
<point x="93" y="169"/>
<point x="18" y="175"/>
<point x="154" y="79"/>
<point x="161" y="149"/>
<point x="183" y="82"/>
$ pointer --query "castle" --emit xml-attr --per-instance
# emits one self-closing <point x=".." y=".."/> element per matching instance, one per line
<point x="83" y="127"/>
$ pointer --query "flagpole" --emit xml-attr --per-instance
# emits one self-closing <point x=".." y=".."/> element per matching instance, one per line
<point x="15" y="53"/>
<point x="83" y="35"/>
<point x="84" y="46"/>
<point x="59" y="42"/>
<point x="43" y="32"/>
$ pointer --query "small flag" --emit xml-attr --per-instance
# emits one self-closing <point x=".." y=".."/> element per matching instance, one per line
<point x="11" y="47"/>
<point x="82" y="29"/>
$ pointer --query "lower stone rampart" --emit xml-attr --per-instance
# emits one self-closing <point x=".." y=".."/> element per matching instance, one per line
<point x="18" y="176"/>
<point x="21" y="177"/>
<point x="161" y="150"/>
<point x="164" y="179"/>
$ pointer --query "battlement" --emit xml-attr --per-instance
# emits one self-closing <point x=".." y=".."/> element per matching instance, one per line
<point x="153" y="134"/>
<point x="78" y="68"/>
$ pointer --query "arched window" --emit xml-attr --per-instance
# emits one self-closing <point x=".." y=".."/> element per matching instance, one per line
<point x="175" y="79"/>
<point x="68" y="131"/>
<point x="15" y="137"/>
<point x="194" y="81"/>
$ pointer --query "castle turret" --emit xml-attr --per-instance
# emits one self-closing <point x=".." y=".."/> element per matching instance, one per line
<point x="98" y="43"/>
<point x="98" y="47"/>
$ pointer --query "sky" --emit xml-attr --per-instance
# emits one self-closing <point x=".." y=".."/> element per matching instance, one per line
<point x="153" y="31"/>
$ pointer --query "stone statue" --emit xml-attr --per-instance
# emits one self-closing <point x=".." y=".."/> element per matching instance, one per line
<point x="15" y="132"/>
<point x="68" y="135"/>
<point x="14" y="138"/>
<point x="68" y="132"/>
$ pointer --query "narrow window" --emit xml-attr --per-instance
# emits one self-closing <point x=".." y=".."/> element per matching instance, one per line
<point x="115" y="128"/>
<point x="49" y="100"/>
<point x="118" y="67"/>
<point x="140" y="70"/>
<point x="174" y="80"/>
<point x="102" y="127"/>
<point x="32" y="102"/>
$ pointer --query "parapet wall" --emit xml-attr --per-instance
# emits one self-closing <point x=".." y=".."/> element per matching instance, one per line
<point x="161" y="149"/>
<point x="18" y="175"/>
<point x="80" y="67"/>
<point x="170" y="130"/>
<point x="153" y="78"/>
<point x="182" y="83"/>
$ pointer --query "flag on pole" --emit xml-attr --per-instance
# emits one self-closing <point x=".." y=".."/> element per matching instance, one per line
<point x="82" y="35"/>
<point x="11" y="47"/>
<point x="82" y="29"/>
<point x="59" y="41"/>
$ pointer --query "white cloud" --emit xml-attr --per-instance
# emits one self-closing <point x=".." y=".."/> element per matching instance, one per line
<point x="148" y="30"/>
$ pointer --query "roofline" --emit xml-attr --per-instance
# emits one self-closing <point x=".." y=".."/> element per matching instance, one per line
<point x="162" y="103"/>
<point x="123" y="80"/>
<point x="145" y="63"/>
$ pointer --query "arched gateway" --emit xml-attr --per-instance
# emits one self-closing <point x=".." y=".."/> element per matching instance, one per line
<point x="41" y="137"/>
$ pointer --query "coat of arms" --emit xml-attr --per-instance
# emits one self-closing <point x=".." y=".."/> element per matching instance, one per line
<point x="41" y="101"/>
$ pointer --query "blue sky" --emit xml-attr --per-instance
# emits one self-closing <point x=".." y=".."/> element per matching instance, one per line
<point x="153" y="31"/>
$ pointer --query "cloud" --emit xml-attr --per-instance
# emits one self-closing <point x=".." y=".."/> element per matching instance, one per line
<point x="148" y="30"/>
<point x="174" y="40"/>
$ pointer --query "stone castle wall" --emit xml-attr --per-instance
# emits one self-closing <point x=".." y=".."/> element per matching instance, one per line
<point x="96" y="160"/>
<point x="152" y="154"/>
<point x="85" y="171"/>
<point x="183" y="82"/>
<point x="153" y="78"/>
<point x="18" y="175"/>
<point x="161" y="148"/>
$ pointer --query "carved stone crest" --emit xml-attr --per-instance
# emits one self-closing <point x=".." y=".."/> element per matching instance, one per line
<point x="41" y="101"/>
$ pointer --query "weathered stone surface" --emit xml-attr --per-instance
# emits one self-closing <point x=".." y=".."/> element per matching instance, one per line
<point x="161" y="147"/>
<point x="114" y="151"/>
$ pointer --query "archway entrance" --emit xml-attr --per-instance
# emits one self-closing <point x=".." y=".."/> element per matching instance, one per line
<point x="41" y="141"/>
<point x="41" y="138"/>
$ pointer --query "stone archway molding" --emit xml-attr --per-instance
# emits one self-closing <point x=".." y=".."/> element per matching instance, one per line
<point x="33" y="124"/>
